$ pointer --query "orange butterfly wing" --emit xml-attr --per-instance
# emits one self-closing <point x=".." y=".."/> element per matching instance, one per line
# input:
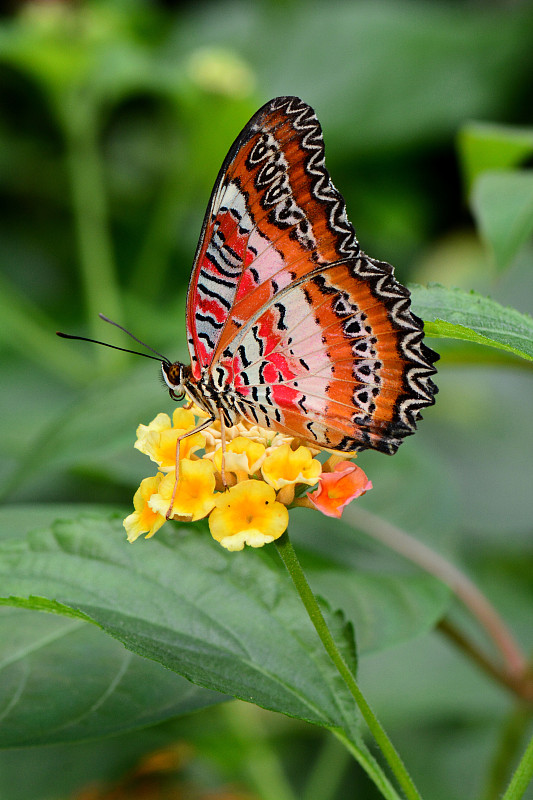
<point x="295" y="327"/>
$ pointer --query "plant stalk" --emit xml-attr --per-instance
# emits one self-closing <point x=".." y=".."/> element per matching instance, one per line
<point x="290" y="559"/>
<point x="522" y="685"/>
<point x="261" y="763"/>
<point x="512" y="735"/>
<point x="78" y="117"/>
<point x="522" y="776"/>
<point x="515" y="663"/>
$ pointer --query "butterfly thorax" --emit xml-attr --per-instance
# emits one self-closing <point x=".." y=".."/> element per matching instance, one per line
<point x="205" y="392"/>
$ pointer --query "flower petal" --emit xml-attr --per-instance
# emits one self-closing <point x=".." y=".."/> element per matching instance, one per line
<point x="184" y="419"/>
<point x="284" y="466"/>
<point x="158" y="439"/>
<point x="242" y="456"/>
<point x="195" y="496"/>
<point x="248" y="513"/>
<point x="338" y="488"/>
<point x="144" y="519"/>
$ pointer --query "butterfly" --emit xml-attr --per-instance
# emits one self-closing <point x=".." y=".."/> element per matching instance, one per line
<point x="289" y="324"/>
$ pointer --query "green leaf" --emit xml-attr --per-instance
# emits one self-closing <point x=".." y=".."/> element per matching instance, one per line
<point x="523" y="775"/>
<point x="502" y="203"/>
<point x="64" y="680"/>
<point x="228" y="622"/>
<point x="484" y="146"/>
<point x="67" y="769"/>
<point x="43" y="604"/>
<point x="456" y="314"/>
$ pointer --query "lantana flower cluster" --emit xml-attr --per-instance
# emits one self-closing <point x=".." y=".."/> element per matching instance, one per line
<point x="246" y="492"/>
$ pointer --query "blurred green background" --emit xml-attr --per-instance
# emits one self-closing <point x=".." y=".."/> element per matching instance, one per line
<point x="115" y="117"/>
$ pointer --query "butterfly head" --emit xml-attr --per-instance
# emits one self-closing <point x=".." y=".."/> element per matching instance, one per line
<point x="175" y="376"/>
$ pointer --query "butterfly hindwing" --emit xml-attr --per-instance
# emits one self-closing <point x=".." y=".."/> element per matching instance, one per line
<point x="336" y="359"/>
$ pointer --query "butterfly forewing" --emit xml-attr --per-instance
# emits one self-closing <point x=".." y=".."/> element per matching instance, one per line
<point x="297" y="329"/>
<point x="273" y="216"/>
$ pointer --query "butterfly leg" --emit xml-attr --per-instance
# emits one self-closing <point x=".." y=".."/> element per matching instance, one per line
<point x="223" y="446"/>
<point x="205" y="424"/>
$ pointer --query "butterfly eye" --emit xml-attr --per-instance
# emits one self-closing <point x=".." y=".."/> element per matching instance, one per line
<point x="173" y="375"/>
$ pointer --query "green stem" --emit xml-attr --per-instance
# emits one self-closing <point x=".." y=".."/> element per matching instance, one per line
<point x="522" y="776"/>
<point x="511" y="738"/>
<point x="78" y="117"/>
<point x="26" y="329"/>
<point x="162" y="230"/>
<point x="290" y="559"/>
<point x="520" y="685"/>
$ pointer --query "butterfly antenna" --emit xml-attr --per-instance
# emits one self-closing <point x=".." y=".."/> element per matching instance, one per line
<point x="111" y="322"/>
<point x="114" y="346"/>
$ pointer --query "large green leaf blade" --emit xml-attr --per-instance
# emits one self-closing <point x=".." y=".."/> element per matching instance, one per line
<point x="456" y="314"/>
<point x="231" y="623"/>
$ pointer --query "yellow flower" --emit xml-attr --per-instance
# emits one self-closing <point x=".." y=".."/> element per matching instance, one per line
<point x="284" y="466"/>
<point x="158" y="439"/>
<point x="247" y="514"/>
<point x="144" y="519"/>
<point x="194" y="494"/>
<point x="243" y="457"/>
<point x="241" y="510"/>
